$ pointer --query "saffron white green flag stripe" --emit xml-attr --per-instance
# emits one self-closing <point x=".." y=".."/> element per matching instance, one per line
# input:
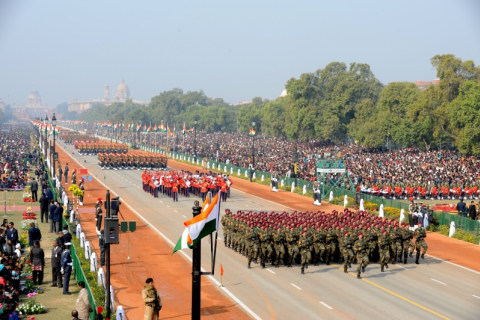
<point x="200" y="226"/>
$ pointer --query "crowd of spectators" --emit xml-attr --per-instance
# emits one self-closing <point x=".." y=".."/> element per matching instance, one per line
<point x="15" y="155"/>
<point x="368" y="166"/>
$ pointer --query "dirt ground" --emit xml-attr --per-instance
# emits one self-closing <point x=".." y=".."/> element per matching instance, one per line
<point x="452" y="250"/>
<point x="167" y="270"/>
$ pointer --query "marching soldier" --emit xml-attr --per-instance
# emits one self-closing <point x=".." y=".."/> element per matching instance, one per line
<point x="362" y="257"/>
<point x="384" y="249"/>
<point x="279" y="239"/>
<point x="306" y="256"/>
<point x="347" y="252"/>
<point x="420" y="236"/>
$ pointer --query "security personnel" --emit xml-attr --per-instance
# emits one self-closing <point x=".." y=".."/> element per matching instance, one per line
<point x="347" y="251"/>
<point x="317" y="194"/>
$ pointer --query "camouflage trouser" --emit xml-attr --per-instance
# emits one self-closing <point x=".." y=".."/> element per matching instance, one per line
<point x="407" y="246"/>
<point x="384" y="256"/>
<point x="280" y="253"/>
<point x="362" y="261"/>
<point x="252" y="249"/>
<point x="226" y="236"/>
<point x="331" y="248"/>
<point x="306" y="257"/>
<point x="421" y="244"/>
<point x="348" y="257"/>
<point x="396" y="249"/>
<point x="264" y="252"/>
<point x="292" y="252"/>
<point x="371" y="248"/>
<point x="319" y="250"/>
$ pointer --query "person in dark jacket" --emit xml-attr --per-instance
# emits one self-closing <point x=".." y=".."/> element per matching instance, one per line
<point x="57" y="217"/>
<point x="44" y="185"/>
<point x="44" y="207"/>
<point x="472" y="211"/>
<point x="67" y="236"/>
<point x="12" y="237"/>
<point x="49" y="194"/>
<point x="56" y="261"/>
<point x="34" y="234"/>
<point x="66" y="173"/>
<point x="60" y="172"/>
<point x="461" y="207"/>
<point x="60" y="240"/>
<point x="37" y="259"/>
<point x="34" y="188"/>
<point x="51" y="210"/>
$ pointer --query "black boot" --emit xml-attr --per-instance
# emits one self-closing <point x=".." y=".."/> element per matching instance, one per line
<point x="423" y="255"/>
<point x="416" y="261"/>
<point x="363" y="269"/>
<point x="303" y="271"/>
<point x="382" y="270"/>
<point x="386" y="265"/>
<point x="358" y="276"/>
<point x="345" y="269"/>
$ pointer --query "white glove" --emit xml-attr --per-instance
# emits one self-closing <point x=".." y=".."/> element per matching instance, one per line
<point x="62" y="271"/>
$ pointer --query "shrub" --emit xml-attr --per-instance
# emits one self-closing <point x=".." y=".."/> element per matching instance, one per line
<point x="370" y="206"/>
<point x="392" y="213"/>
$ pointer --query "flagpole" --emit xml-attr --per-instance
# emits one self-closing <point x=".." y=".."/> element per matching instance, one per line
<point x="216" y="233"/>
<point x="196" y="270"/>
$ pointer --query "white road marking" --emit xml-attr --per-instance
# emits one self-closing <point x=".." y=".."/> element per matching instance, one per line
<point x="231" y="295"/>
<point x="326" y="305"/>
<point x="296" y="286"/>
<point x="401" y="267"/>
<point x="476" y="296"/>
<point x="168" y="206"/>
<point x="175" y="210"/>
<point x="270" y="271"/>
<point x="457" y="265"/>
<point x="439" y="281"/>
<point x="184" y="216"/>
<point x="219" y="238"/>
<point x="246" y="205"/>
<point x="138" y="187"/>
<point x="161" y="201"/>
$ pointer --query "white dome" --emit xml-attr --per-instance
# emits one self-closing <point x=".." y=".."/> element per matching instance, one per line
<point x="283" y="94"/>
<point x="123" y="93"/>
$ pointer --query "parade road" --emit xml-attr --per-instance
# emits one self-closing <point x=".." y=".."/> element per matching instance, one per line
<point x="434" y="289"/>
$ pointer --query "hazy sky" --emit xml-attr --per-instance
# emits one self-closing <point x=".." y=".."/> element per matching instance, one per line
<point x="235" y="50"/>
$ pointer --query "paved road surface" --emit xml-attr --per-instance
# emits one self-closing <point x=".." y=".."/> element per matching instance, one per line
<point x="432" y="290"/>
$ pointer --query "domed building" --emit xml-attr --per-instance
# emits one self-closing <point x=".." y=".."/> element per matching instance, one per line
<point x="33" y="108"/>
<point x="34" y="99"/>
<point x="122" y="94"/>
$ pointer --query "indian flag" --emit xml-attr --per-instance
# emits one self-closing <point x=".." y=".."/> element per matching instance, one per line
<point x="201" y="225"/>
<point x="252" y="132"/>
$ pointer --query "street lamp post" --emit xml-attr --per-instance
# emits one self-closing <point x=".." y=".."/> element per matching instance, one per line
<point x="217" y="146"/>
<point x="195" y="142"/>
<point x="46" y="137"/>
<point x="252" y="169"/>
<point x="54" y="123"/>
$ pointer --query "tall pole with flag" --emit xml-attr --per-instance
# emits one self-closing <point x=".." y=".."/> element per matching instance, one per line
<point x="204" y="222"/>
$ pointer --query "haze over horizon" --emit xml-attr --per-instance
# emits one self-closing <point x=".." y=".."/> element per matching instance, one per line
<point x="234" y="51"/>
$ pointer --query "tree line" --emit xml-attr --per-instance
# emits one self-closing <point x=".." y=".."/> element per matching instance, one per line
<point x="334" y="104"/>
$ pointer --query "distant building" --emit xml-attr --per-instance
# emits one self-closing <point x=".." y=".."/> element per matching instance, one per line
<point x="426" y="84"/>
<point x="283" y="94"/>
<point x="239" y="103"/>
<point x="33" y="108"/>
<point x="122" y="95"/>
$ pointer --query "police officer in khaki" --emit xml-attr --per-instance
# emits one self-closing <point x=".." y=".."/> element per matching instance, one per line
<point x="153" y="302"/>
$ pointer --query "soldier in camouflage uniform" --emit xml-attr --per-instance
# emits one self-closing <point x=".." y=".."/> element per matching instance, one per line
<point x="291" y="239"/>
<point x="384" y="249"/>
<point x="330" y="244"/>
<point x="371" y="238"/>
<point x="279" y="240"/>
<point x="395" y="244"/>
<point x="360" y="249"/>
<point x="305" y="251"/>
<point x="266" y="250"/>
<point x="408" y="246"/>
<point x="252" y="249"/>
<point x="420" y="236"/>
<point x="347" y="251"/>
<point x="319" y="245"/>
